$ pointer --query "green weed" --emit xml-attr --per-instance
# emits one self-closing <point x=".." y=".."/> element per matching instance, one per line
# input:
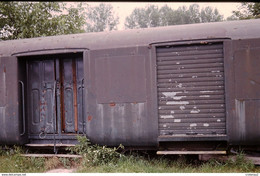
<point x="95" y="154"/>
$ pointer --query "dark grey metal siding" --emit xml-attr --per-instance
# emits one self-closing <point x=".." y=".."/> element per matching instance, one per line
<point x="190" y="80"/>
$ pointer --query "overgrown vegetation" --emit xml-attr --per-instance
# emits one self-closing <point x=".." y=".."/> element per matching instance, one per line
<point x="102" y="159"/>
<point x="12" y="161"/>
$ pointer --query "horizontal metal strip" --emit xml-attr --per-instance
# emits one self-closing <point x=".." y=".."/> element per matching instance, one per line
<point x="198" y="70"/>
<point x="191" y="57"/>
<point x="192" y="115"/>
<point x="192" y="61"/>
<point x="213" y="128"/>
<point x="190" y="66"/>
<point x="190" y="107"/>
<point x="213" y="81"/>
<point x="206" y="88"/>
<point x="190" y="75"/>
<point x="192" y="125"/>
<point x="189" y="52"/>
<point x="196" y="131"/>
<point x="191" y="98"/>
<point x="195" y="120"/>
<point x="187" y="47"/>
<point x="180" y="81"/>
<point x="185" y="111"/>
<point x="193" y="93"/>
<point x="191" y="102"/>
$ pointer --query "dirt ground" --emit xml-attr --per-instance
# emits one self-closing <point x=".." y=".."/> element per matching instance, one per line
<point x="62" y="170"/>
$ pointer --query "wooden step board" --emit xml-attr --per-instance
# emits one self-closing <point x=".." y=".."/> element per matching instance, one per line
<point x="51" y="155"/>
<point x="191" y="152"/>
<point x="50" y="145"/>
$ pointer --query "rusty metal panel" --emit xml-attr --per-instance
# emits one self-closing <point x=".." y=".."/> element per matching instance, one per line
<point x="245" y="116"/>
<point x="113" y="72"/>
<point x="190" y="81"/>
<point x="247" y="71"/>
<point x="55" y="94"/>
<point x="10" y="119"/>
<point x="130" y="118"/>
<point x="41" y="80"/>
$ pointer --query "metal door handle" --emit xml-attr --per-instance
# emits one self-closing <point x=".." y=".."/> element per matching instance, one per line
<point x="23" y="114"/>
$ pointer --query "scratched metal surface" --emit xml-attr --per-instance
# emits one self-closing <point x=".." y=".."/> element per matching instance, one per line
<point x="190" y="81"/>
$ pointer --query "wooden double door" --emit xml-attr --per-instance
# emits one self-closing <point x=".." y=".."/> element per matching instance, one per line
<point x="55" y="94"/>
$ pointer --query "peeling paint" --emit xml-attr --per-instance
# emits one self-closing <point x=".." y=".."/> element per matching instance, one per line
<point x="194" y="76"/>
<point x="164" y="125"/>
<point x="177" y="63"/>
<point x="177" y="102"/>
<point x="170" y="94"/>
<point x="205" y="124"/>
<point x="195" y="111"/>
<point x="218" y="120"/>
<point x="204" y="96"/>
<point x="215" y="71"/>
<point x="193" y="125"/>
<point x="177" y="120"/>
<point x="172" y="112"/>
<point x="206" y="91"/>
<point x="167" y="116"/>
<point x="179" y="85"/>
<point x="182" y="107"/>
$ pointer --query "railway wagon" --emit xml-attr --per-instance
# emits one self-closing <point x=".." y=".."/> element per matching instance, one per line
<point x="185" y="87"/>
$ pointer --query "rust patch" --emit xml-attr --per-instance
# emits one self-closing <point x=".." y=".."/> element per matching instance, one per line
<point x="89" y="118"/>
<point x="112" y="104"/>
<point x="4" y="69"/>
<point x="75" y="94"/>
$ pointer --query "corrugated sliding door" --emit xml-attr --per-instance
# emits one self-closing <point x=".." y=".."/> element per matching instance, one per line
<point x="190" y="80"/>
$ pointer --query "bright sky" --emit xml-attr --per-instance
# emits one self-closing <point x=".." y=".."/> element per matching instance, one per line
<point x="123" y="9"/>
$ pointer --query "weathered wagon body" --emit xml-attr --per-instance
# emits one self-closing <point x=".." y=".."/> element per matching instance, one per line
<point x="194" y="83"/>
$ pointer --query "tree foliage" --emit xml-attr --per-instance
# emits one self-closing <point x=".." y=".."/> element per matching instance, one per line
<point x="247" y="10"/>
<point x="35" y="19"/>
<point x="101" y="18"/>
<point x="152" y="16"/>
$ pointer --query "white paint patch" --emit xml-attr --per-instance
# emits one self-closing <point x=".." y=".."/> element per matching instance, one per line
<point x="160" y="107"/>
<point x="204" y="96"/>
<point x="177" y="102"/>
<point x="170" y="94"/>
<point x="218" y="120"/>
<point x="205" y="124"/>
<point x="172" y="112"/>
<point x="206" y="91"/>
<point x="167" y="116"/>
<point x="180" y="76"/>
<point x="179" y="97"/>
<point x="179" y="85"/>
<point x="182" y="107"/>
<point x="177" y="63"/>
<point x="213" y="71"/>
<point x="177" y="120"/>
<point x="195" y="111"/>
<point x="194" y="76"/>
<point x="164" y="126"/>
<point x="193" y="125"/>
